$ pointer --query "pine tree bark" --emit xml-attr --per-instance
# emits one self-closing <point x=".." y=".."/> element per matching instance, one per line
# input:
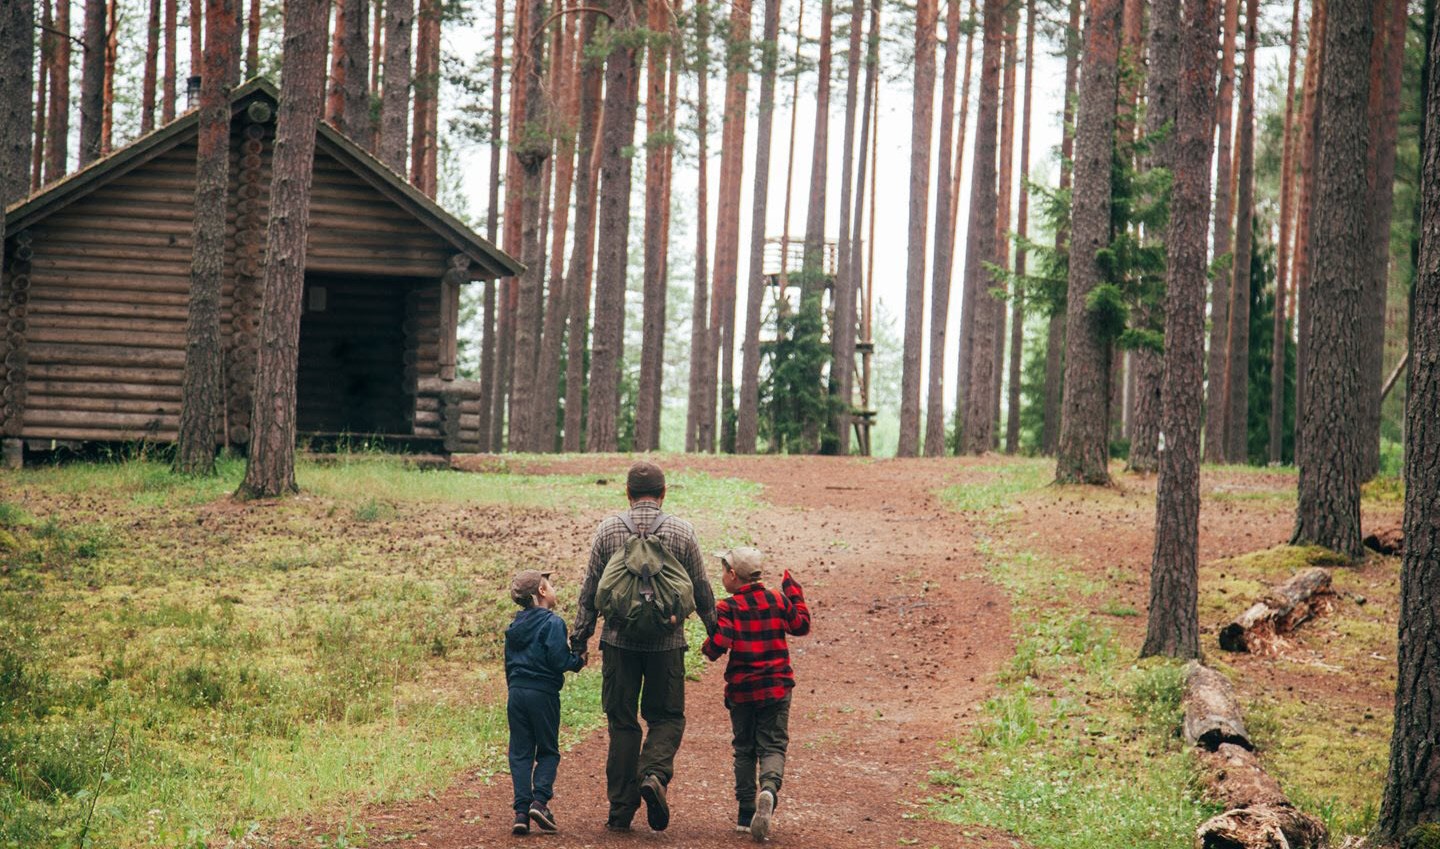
<point x="855" y="275"/>
<point x="1004" y="196"/>
<point x="17" y="68"/>
<point x="944" y="242"/>
<point x="697" y="405"/>
<point x="57" y="122"/>
<point x="1328" y="456"/>
<point x="1022" y="230"/>
<point x="107" y="85"/>
<point x="622" y="74"/>
<point x="1309" y="145"/>
<point x="922" y="111"/>
<point x="394" y="120"/>
<point x="813" y="281"/>
<point x="395" y="95"/>
<point x="172" y="73"/>
<point x="577" y="281"/>
<point x="652" y="339"/>
<point x="252" y="41"/>
<point x="202" y="397"/>
<point x="426" y="83"/>
<point x="1386" y="66"/>
<point x="748" y="425"/>
<point x="42" y="96"/>
<point x="721" y="344"/>
<point x="1055" y="332"/>
<point x="1161" y="81"/>
<point x="975" y="364"/>
<point x="509" y="297"/>
<point x="1412" y="787"/>
<point x="1084" y="426"/>
<point x="1216" y="412"/>
<point x="351" y="92"/>
<point x="270" y="470"/>
<point x="1173" y="626"/>
<point x="533" y="152"/>
<point x="1237" y="360"/>
<point x="151" y="72"/>
<point x="1281" y="329"/>
<point x="92" y="81"/>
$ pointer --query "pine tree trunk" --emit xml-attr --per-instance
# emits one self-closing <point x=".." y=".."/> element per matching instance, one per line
<point x="197" y="56"/>
<point x="577" y="282"/>
<point x="976" y="364"/>
<point x="1160" y="110"/>
<point x="920" y="130"/>
<point x="17" y="68"/>
<point x="92" y="81"/>
<point x="944" y="245"/>
<point x="1281" y="328"/>
<point x="252" y="41"/>
<point x="652" y="339"/>
<point x="395" y="95"/>
<point x="335" y="86"/>
<point x="107" y="86"/>
<point x="1055" y="332"/>
<point x="394" y="117"/>
<point x="1173" y="627"/>
<point x="1386" y="66"/>
<point x="57" y="127"/>
<point x="1309" y="145"/>
<point x="509" y="296"/>
<point x="151" y="73"/>
<point x="814" y="280"/>
<point x="856" y="273"/>
<point x="966" y="308"/>
<point x="564" y="80"/>
<point x="1216" y="412"/>
<point x="533" y="153"/>
<point x="426" y="82"/>
<point x="202" y="396"/>
<point x="1084" y="426"/>
<point x="270" y="470"/>
<point x="1237" y="375"/>
<point x="42" y="97"/>
<point x="172" y="73"/>
<point x="1022" y="229"/>
<point x="622" y="74"/>
<point x="696" y="406"/>
<point x="1412" y="787"/>
<point x="1005" y="196"/>
<point x="1328" y="457"/>
<point x="721" y="344"/>
<point x="747" y="427"/>
<point x="352" y="72"/>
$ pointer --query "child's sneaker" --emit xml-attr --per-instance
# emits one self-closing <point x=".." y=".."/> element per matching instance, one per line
<point x="522" y="823"/>
<point x="764" y="809"/>
<point x="544" y="820"/>
<point x="742" y="822"/>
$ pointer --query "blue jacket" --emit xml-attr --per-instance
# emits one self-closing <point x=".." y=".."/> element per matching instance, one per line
<point x="537" y="654"/>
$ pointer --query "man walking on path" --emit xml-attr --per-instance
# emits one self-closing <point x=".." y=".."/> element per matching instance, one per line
<point x="644" y="675"/>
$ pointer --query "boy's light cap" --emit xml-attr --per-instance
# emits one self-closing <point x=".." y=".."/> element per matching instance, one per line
<point x="526" y="584"/>
<point x="745" y="561"/>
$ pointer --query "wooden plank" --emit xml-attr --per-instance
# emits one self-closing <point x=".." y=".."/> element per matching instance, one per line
<point x="103" y="286"/>
<point x="169" y="265"/>
<point x="124" y="235"/>
<point x="109" y="420"/>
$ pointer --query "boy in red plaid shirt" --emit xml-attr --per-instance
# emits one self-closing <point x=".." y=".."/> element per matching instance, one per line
<point x="753" y="623"/>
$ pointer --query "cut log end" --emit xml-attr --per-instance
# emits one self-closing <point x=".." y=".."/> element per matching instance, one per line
<point x="1261" y="827"/>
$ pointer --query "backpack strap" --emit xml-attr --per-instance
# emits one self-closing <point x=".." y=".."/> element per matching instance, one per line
<point x="628" y="523"/>
<point x="659" y="520"/>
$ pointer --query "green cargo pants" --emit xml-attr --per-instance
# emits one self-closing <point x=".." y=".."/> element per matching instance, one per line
<point x="653" y="682"/>
<point x="762" y="734"/>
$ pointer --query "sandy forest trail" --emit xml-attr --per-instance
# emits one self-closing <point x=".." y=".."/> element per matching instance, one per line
<point x="907" y="634"/>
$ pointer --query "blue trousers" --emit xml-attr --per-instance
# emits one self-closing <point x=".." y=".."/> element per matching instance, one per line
<point x="534" y="745"/>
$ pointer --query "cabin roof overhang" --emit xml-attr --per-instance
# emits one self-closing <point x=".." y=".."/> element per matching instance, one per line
<point x="487" y="260"/>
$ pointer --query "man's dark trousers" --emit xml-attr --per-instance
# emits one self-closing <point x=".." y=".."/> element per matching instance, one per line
<point x="762" y="734"/>
<point x="653" y="681"/>
<point x="534" y="745"/>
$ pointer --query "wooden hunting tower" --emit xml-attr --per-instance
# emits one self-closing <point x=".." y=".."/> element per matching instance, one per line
<point x="96" y="284"/>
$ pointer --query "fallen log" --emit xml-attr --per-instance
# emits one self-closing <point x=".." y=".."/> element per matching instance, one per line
<point x="1212" y="712"/>
<point x="1389" y="540"/>
<point x="1282" y="610"/>
<point x="1235" y="779"/>
<point x="1261" y="827"/>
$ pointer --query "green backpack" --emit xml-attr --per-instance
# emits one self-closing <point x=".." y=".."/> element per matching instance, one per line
<point x="643" y="585"/>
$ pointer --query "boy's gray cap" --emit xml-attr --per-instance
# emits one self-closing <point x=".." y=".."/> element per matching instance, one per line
<point x="745" y="561"/>
<point x="526" y="584"/>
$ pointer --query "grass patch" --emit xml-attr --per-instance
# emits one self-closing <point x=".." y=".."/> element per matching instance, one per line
<point x="999" y="485"/>
<point x="1080" y="747"/>
<point x="178" y="669"/>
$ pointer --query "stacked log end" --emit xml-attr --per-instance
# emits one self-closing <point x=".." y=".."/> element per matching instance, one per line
<point x="250" y="219"/>
<point x="1257" y="815"/>
<point x="14" y="356"/>
<point x="449" y="409"/>
<point x="1281" y="611"/>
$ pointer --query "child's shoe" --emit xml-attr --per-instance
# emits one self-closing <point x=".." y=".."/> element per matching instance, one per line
<point x="522" y="823"/>
<point x="764" y="809"/>
<point x="544" y="820"/>
<point x="742" y="822"/>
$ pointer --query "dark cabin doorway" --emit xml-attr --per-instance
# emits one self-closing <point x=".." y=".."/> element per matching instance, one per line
<point x="352" y="352"/>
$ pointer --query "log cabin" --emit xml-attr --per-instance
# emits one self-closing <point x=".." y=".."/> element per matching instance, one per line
<point x="94" y="296"/>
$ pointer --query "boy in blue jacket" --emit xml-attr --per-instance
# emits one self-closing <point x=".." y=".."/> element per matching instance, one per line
<point x="537" y="656"/>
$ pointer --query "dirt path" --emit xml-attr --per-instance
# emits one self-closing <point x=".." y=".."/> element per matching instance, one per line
<point x="906" y="637"/>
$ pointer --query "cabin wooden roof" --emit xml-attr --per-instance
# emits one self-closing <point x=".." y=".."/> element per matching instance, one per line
<point x="488" y="261"/>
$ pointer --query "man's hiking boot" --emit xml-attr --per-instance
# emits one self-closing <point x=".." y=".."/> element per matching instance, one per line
<point x="544" y="820"/>
<point x="657" y="810"/>
<point x="614" y="824"/>
<point x="522" y="823"/>
<point x="764" y="810"/>
<point x="742" y="822"/>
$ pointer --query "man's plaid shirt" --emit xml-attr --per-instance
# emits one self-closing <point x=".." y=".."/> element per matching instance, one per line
<point x="678" y="537"/>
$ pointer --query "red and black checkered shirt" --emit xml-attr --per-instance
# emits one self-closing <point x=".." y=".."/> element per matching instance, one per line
<point x="752" y="625"/>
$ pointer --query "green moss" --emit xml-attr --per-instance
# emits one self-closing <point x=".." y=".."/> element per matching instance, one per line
<point x="1425" y="836"/>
